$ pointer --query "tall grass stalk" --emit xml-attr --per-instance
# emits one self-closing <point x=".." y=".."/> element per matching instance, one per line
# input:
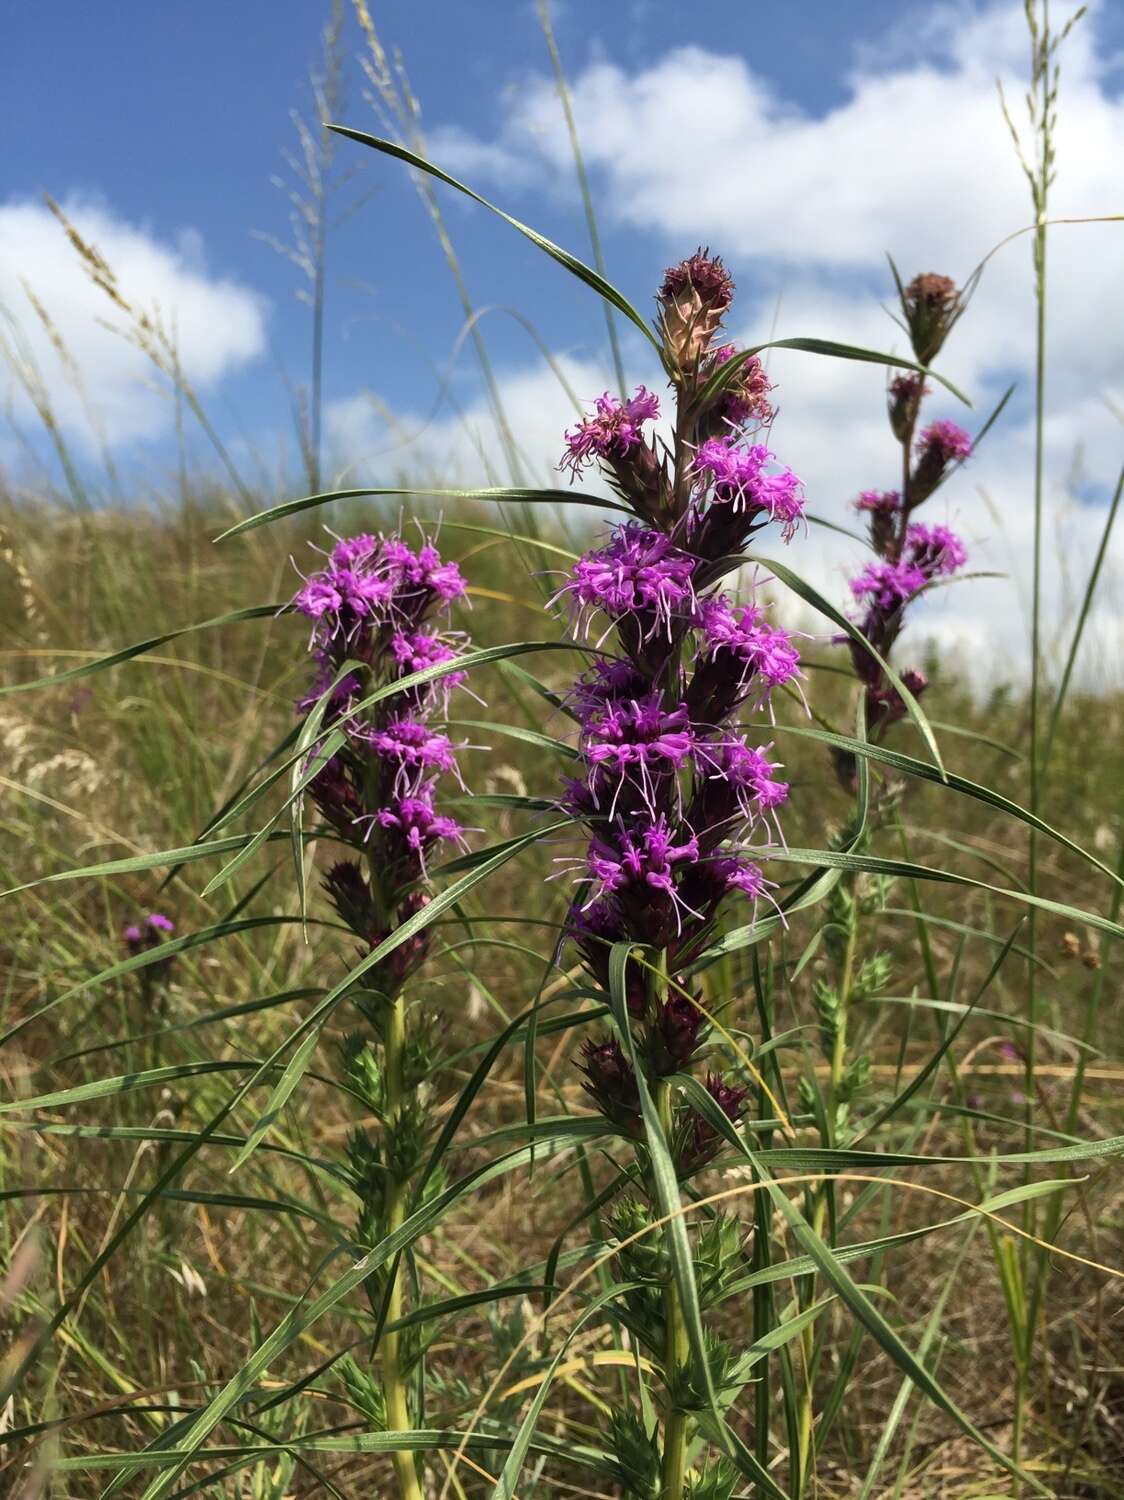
<point x="1039" y="167"/>
<point x="563" y="87"/>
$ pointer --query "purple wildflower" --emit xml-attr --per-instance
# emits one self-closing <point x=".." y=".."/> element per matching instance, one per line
<point x="612" y="432"/>
<point x="888" y="585"/>
<point x="880" y="501"/>
<point x="413" y="749"/>
<point x="739" y="478"/>
<point x="935" y="549"/>
<point x="639" y="739"/>
<point x="373" y="604"/>
<point x="641" y="572"/>
<point x="746" y="398"/>
<point x="946" y="441"/>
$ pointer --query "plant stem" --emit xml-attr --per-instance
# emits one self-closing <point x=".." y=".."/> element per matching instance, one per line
<point x="675" y="1357"/>
<point x="394" y="1386"/>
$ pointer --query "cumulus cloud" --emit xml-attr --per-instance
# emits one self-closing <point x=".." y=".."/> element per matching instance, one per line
<point x="218" y="324"/>
<point x="916" y="160"/>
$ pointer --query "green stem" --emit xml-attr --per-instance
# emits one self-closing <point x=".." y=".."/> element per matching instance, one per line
<point x="676" y="1351"/>
<point x="394" y="1385"/>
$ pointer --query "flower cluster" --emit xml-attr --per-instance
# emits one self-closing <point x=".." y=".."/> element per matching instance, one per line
<point x="677" y="804"/>
<point x="373" y="607"/>
<point x="909" y="556"/>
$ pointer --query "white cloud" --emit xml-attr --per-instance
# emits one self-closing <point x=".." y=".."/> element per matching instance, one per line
<point x="917" y="160"/>
<point x="218" y="324"/>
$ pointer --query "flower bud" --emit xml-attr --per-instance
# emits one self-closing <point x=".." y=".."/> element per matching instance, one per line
<point x="675" y="1033"/>
<point x="882" y="507"/>
<point x="611" y="1083"/>
<point x="905" y="396"/>
<point x="349" y="893"/>
<point x="931" y="305"/>
<point x="692" y="299"/>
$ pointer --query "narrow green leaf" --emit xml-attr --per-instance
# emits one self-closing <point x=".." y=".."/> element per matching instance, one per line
<point x="126" y="653"/>
<point x="813" y="597"/>
<point x="961" y="784"/>
<point x="571" y="263"/>
<point x="500" y="496"/>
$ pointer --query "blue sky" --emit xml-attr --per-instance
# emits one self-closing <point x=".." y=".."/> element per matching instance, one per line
<point x="802" y="140"/>
<point x="176" y="116"/>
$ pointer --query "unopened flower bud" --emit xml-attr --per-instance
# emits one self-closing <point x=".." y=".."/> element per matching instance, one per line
<point x="611" y="1083"/>
<point x="693" y="298"/>
<point x="931" y="305"/>
<point x="905" y="396"/>
<point x="349" y="893"/>
<point x="675" y="1034"/>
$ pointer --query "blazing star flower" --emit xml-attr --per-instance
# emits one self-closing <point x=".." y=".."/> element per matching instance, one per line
<point x="746" y="398"/>
<point x="644" y="856"/>
<point x="639" y="740"/>
<point x="612" y="432"/>
<point x="418" y="825"/>
<point x="413" y="750"/>
<point x="422" y="576"/>
<point x="667" y="789"/>
<point x="739" y="479"/>
<point x="935" y="549"/>
<point x="344" y="599"/>
<point x="945" y="441"/>
<point x="740" y="657"/>
<point x="141" y="937"/>
<point x="887" y="584"/>
<point x="641" y="572"/>
<point x="751" y="770"/>
<point x="373" y="603"/>
<point x="701" y="277"/>
<point x="882" y="502"/>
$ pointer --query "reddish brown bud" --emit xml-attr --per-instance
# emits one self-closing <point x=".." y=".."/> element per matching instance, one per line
<point x="931" y="305"/>
<point x="694" y="295"/>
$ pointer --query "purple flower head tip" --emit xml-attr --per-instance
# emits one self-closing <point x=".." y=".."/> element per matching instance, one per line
<point x="935" y="549"/>
<point x="882" y="502"/>
<point x="639" y="572"/>
<point x="887" y="584"/>
<point x="160" y="923"/>
<point x="739" y="478"/>
<point x="613" y="430"/>
<point x="945" y="441"/>
<point x="701" y="276"/>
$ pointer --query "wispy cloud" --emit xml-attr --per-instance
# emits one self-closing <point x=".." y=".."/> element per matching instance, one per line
<point x="218" y="324"/>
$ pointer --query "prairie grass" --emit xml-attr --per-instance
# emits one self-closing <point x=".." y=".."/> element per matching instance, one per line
<point x="137" y="759"/>
<point x="176" y="1216"/>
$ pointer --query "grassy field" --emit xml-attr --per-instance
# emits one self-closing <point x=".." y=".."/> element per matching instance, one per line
<point x="138" y="759"/>
<point x="287" y="1210"/>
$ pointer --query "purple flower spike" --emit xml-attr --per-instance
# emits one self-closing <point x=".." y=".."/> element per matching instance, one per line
<point x="372" y="608"/>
